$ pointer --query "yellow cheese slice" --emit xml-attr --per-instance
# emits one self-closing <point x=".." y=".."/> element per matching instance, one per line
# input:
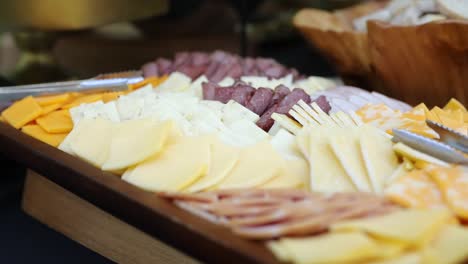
<point x="330" y="248"/>
<point x="83" y="100"/>
<point x="280" y="251"/>
<point x="175" y="168"/>
<point x="53" y="99"/>
<point x="223" y="160"/>
<point x="345" y="145"/>
<point x="379" y="158"/>
<point x="415" y="190"/>
<point x="286" y="122"/>
<point x="413" y="226"/>
<point x="37" y="132"/>
<point x="415" y="155"/>
<point x="401" y="171"/>
<point x="93" y="140"/>
<point x="408" y="258"/>
<point x="450" y="246"/>
<point x="453" y="183"/>
<point x="295" y="175"/>
<point x="389" y="248"/>
<point x="454" y="105"/>
<point x="326" y="172"/>
<point x="22" y="112"/>
<point x="135" y="141"/>
<point x="56" y="122"/>
<point x="257" y="165"/>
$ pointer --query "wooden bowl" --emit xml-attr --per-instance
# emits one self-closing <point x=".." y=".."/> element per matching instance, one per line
<point x="426" y="63"/>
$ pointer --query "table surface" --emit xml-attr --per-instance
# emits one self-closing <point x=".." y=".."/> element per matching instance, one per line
<point x="25" y="240"/>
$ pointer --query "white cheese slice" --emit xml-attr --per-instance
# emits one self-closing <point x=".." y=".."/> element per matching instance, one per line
<point x="249" y="131"/>
<point x="379" y="157"/>
<point x="257" y="165"/>
<point x="223" y="160"/>
<point x="285" y="143"/>
<point x="233" y="111"/>
<point x="129" y="107"/>
<point x="93" y="140"/>
<point x="227" y="81"/>
<point x="134" y="141"/>
<point x="326" y="172"/>
<point x="345" y="145"/>
<point x="196" y="86"/>
<point x="166" y="172"/>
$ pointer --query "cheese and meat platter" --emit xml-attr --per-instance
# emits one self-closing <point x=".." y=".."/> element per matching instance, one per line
<point x="243" y="160"/>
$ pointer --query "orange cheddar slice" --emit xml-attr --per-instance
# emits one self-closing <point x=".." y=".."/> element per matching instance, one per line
<point x="53" y="99"/>
<point x="50" y="108"/>
<point x="37" y="132"/>
<point x="56" y="122"/>
<point x="22" y="112"/>
<point x="83" y="100"/>
<point x="416" y="190"/>
<point x="453" y="183"/>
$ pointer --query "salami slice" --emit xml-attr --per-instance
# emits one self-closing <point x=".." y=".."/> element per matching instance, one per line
<point x="150" y="69"/>
<point x="260" y="100"/>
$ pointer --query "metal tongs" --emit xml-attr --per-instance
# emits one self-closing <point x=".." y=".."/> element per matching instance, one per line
<point x="112" y="82"/>
<point x="451" y="147"/>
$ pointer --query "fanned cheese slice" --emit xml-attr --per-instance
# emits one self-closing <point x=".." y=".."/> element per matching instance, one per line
<point x="329" y="248"/>
<point x="93" y="140"/>
<point x="257" y="165"/>
<point x="453" y="183"/>
<point x="326" y="172"/>
<point x="415" y="190"/>
<point x="379" y="157"/>
<point x="295" y="175"/>
<point x="223" y="160"/>
<point x="166" y="172"/>
<point x="413" y="226"/>
<point x="345" y="146"/>
<point x="450" y="246"/>
<point x="134" y="141"/>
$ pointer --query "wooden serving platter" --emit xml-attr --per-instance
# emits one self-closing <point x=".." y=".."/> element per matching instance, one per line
<point x="140" y="209"/>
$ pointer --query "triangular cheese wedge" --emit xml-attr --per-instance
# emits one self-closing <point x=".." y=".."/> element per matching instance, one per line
<point x="345" y="146"/>
<point x="326" y="172"/>
<point x="296" y="175"/>
<point x="379" y="157"/>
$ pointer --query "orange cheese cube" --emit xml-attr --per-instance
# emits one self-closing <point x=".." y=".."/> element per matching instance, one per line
<point x="53" y="99"/>
<point x="56" y="122"/>
<point x="416" y="190"/>
<point x="83" y="100"/>
<point x="50" y="108"/>
<point x="453" y="183"/>
<point x="107" y="97"/>
<point x="37" y="132"/>
<point x="22" y="112"/>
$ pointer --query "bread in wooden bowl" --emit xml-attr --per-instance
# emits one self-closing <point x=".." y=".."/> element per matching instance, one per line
<point x="405" y="55"/>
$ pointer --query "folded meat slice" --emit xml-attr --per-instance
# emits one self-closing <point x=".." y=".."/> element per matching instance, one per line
<point x="260" y="100"/>
<point x="242" y="93"/>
